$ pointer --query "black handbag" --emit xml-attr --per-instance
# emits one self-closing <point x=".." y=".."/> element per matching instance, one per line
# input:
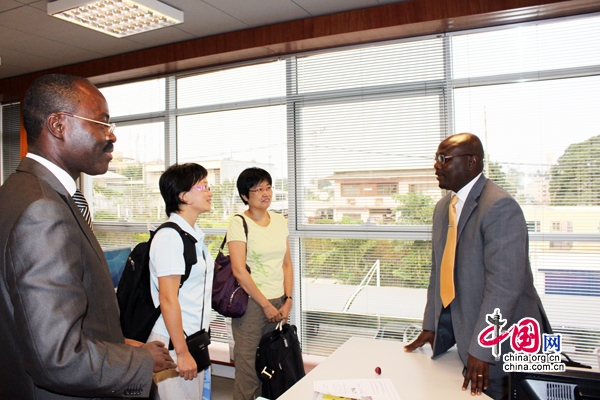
<point x="198" y="347"/>
<point x="279" y="362"/>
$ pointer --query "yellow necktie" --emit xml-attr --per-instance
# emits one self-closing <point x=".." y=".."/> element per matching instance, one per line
<point x="447" y="270"/>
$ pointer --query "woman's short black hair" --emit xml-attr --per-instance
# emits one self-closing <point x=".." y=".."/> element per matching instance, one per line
<point x="177" y="179"/>
<point x="249" y="178"/>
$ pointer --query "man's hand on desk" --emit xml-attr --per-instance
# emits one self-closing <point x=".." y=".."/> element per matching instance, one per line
<point x="478" y="373"/>
<point x="424" y="337"/>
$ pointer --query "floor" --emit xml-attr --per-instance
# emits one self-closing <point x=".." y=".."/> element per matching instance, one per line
<point x="222" y="388"/>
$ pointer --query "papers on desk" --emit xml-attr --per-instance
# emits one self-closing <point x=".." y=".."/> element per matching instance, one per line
<point x="360" y="389"/>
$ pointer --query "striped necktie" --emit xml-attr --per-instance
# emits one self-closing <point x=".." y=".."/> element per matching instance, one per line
<point x="447" y="269"/>
<point x="83" y="207"/>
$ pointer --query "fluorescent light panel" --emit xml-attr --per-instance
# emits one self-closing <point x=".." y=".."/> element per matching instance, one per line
<point x="117" y="18"/>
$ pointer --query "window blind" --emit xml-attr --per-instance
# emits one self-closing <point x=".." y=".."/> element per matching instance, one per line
<point x="230" y="120"/>
<point x="264" y="80"/>
<point x="11" y="138"/>
<point x="367" y="123"/>
<point x="125" y="200"/>
<point x="136" y="98"/>
<point x="362" y="287"/>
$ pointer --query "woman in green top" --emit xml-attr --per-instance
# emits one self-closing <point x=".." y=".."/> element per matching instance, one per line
<point x="270" y="285"/>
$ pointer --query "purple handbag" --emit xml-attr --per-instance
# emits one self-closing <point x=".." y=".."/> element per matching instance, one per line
<point x="228" y="297"/>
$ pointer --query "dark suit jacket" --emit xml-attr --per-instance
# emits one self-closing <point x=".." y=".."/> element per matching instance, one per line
<point x="59" y="330"/>
<point x="491" y="271"/>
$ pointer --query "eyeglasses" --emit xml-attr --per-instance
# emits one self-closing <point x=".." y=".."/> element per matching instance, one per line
<point x="443" y="159"/>
<point x="111" y="127"/>
<point x="268" y="189"/>
<point x="202" y="188"/>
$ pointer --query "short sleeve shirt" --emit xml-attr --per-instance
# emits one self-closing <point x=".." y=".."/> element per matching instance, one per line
<point x="166" y="258"/>
<point x="266" y="250"/>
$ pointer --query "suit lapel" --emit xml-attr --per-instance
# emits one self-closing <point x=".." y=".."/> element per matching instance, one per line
<point x="470" y="204"/>
<point x="33" y="167"/>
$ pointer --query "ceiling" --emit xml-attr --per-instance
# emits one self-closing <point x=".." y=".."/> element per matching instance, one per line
<point x="31" y="40"/>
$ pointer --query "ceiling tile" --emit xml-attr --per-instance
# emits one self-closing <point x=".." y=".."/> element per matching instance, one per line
<point x="160" y="36"/>
<point x="17" y="63"/>
<point x="260" y="12"/>
<point x="9" y="4"/>
<point x="50" y="50"/>
<point x="39" y="4"/>
<point x="320" y="7"/>
<point x="201" y="19"/>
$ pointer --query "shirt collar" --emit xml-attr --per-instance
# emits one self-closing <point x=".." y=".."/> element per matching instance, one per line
<point x="195" y="231"/>
<point x="62" y="175"/>
<point x="463" y="193"/>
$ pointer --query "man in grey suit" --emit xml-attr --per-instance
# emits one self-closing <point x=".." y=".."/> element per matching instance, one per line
<point x="60" y="332"/>
<point x="491" y="266"/>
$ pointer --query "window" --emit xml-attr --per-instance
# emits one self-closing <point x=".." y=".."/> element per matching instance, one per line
<point x="238" y="139"/>
<point x="533" y="226"/>
<point x="349" y="136"/>
<point x="10" y="133"/>
<point x="126" y="99"/>
<point x="386" y="189"/>
<point x="349" y="189"/>
<point x="369" y="189"/>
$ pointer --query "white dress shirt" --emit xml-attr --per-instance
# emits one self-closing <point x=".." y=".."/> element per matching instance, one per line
<point x="60" y="173"/>
<point x="462" y="195"/>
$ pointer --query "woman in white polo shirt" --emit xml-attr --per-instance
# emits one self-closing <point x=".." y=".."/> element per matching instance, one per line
<point x="186" y="193"/>
<point x="270" y="283"/>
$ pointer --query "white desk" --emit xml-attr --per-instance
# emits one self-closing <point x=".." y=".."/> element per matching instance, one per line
<point x="415" y="375"/>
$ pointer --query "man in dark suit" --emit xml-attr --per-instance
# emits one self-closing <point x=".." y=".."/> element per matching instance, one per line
<point x="490" y="266"/>
<point x="60" y="332"/>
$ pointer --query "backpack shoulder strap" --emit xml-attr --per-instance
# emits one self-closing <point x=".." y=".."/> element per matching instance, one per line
<point x="189" y="248"/>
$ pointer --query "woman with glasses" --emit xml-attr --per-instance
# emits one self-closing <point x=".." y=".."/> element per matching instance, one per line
<point x="184" y="310"/>
<point x="270" y="283"/>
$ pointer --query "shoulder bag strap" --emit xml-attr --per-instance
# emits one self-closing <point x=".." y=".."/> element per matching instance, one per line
<point x="245" y="231"/>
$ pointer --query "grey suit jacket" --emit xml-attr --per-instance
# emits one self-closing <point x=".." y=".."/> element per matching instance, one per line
<point x="491" y="271"/>
<point x="60" y="332"/>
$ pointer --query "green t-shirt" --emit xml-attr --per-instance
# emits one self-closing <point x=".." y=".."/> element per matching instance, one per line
<point x="265" y="252"/>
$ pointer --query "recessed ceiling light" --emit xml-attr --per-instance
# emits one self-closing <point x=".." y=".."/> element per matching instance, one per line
<point x="117" y="18"/>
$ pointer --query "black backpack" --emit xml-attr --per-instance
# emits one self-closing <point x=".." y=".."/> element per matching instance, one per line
<point x="138" y="314"/>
